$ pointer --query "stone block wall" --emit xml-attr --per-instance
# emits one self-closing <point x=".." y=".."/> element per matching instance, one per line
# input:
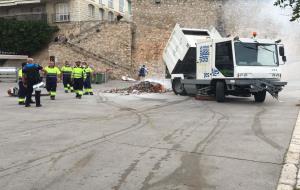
<point x="154" y="23"/>
<point x="105" y="45"/>
<point x="140" y="42"/>
<point x="112" y="42"/>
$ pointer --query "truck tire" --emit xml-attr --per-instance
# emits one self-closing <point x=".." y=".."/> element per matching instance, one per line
<point x="220" y="91"/>
<point x="178" y="87"/>
<point x="260" y="96"/>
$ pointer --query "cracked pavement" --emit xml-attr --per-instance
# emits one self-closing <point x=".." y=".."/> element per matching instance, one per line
<point x="144" y="142"/>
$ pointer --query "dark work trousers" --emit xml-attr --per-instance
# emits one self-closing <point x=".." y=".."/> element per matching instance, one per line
<point x="67" y="82"/>
<point x="51" y="84"/>
<point x="87" y="83"/>
<point x="78" y="86"/>
<point x="22" y="91"/>
<point x="29" y="91"/>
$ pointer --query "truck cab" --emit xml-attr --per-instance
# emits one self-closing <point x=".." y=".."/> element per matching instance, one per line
<point x="225" y="66"/>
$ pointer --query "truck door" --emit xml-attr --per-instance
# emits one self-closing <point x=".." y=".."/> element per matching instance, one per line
<point x="223" y="60"/>
<point x="204" y="53"/>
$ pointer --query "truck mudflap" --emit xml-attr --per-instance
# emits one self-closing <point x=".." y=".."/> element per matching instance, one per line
<point x="257" y="85"/>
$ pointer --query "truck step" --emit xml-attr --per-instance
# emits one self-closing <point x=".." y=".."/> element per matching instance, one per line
<point x="205" y="98"/>
<point x="203" y="91"/>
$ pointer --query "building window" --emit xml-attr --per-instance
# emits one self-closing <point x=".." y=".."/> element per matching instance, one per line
<point x="101" y="14"/>
<point x="110" y="16"/>
<point x="91" y="10"/>
<point x="111" y="4"/>
<point x="62" y="12"/>
<point x="101" y="2"/>
<point x="121" y="6"/>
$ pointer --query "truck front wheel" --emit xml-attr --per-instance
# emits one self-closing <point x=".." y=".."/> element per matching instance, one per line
<point x="178" y="87"/>
<point x="220" y="91"/>
<point x="260" y="96"/>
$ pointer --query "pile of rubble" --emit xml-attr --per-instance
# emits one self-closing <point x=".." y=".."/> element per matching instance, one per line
<point x="142" y="87"/>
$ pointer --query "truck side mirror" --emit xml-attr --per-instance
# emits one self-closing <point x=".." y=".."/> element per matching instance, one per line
<point x="284" y="58"/>
<point x="281" y="51"/>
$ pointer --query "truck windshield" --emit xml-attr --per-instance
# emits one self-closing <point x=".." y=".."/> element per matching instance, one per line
<point x="255" y="54"/>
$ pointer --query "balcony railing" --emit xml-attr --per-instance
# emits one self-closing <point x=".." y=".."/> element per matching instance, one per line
<point x="27" y="16"/>
<point x="61" y="17"/>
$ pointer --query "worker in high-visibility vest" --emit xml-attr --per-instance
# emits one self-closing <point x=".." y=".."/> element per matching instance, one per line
<point x="52" y="74"/>
<point x="88" y="81"/>
<point x="67" y="77"/>
<point x="22" y="89"/>
<point x="78" y="77"/>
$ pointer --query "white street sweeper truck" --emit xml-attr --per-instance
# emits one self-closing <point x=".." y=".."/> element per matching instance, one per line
<point x="201" y="62"/>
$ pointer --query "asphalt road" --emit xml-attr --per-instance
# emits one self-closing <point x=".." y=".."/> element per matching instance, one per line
<point x="144" y="142"/>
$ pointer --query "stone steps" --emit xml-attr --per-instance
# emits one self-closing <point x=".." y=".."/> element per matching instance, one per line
<point x="92" y="55"/>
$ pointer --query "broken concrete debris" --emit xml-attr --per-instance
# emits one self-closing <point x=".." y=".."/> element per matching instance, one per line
<point x="142" y="87"/>
<point x="127" y="78"/>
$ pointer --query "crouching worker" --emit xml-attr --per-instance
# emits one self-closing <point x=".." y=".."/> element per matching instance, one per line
<point x="88" y="81"/>
<point x="78" y="77"/>
<point x="52" y="75"/>
<point x="66" y="76"/>
<point x="31" y="77"/>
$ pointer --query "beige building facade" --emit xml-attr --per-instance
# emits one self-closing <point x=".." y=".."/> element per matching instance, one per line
<point x="60" y="11"/>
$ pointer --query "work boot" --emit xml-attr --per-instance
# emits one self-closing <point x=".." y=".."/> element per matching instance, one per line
<point x="21" y="103"/>
<point x="91" y="93"/>
<point x="66" y="91"/>
<point x="40" y="105"/>
<point x="27" y="105"/>
<point x="52" y="97"/>
<point x="86" y="93"/>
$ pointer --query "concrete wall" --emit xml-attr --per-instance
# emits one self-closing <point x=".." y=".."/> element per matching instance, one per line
<point x="154" y="23"/>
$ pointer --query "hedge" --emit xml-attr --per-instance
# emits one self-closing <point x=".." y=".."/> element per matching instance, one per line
<point x="24" y="37"/>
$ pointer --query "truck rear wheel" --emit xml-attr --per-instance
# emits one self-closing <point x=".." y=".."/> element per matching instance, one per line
<point x="260" y="96"/>
<point x="178" y="87"/>
<point x="220" y="91"/>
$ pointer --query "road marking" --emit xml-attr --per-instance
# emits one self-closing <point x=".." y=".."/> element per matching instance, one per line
<point x="290" y="177"/>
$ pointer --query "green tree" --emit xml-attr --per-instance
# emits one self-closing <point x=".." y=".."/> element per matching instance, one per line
<point x="24" y="37"/>
<point x="293" y="4"/>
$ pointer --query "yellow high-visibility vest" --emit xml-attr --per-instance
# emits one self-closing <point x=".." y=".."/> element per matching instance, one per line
<point x="88" y="71"/>
<point x="78" y="73"/>
<point x="66" y="71"/>
<point x="52" y="71"/>
<point x="20" y="73"/>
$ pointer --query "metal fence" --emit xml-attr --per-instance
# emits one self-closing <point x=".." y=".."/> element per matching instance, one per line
<point x="58" y="17"/>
